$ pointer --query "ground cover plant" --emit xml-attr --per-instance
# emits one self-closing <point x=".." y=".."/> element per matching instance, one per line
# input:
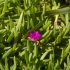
<point x="34" y="34"/>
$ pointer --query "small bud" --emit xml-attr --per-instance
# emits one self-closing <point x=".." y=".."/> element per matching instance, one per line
<point x="34" y="35"/>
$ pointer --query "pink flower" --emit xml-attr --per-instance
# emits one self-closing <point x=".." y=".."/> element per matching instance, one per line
<point x="34" y="35"/>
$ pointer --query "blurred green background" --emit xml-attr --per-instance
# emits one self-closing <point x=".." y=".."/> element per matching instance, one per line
<point x="51" y="18"/>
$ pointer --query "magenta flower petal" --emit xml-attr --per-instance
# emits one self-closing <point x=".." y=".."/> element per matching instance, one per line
<point x="34" y="35"/>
